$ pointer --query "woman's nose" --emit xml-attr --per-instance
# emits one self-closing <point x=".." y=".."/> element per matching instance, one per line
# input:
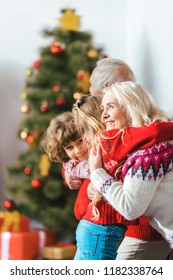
<point x="105" y="114"/>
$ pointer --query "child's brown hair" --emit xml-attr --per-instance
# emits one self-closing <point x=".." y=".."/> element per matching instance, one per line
<point x="59" y="133"/>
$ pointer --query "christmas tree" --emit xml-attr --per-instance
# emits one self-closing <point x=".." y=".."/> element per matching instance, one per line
<point x="54" y="81"/>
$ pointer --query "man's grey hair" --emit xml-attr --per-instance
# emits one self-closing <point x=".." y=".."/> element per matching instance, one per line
<point x="109" y="71"/>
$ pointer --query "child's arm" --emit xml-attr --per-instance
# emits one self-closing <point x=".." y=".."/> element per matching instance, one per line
<point x="77" y="168"/>
<point x="73" y="182"/>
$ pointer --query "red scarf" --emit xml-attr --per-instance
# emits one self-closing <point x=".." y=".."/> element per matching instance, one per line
<point x="118" y="144"/>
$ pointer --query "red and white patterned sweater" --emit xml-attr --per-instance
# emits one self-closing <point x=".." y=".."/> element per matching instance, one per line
<point x="147" y="187"/>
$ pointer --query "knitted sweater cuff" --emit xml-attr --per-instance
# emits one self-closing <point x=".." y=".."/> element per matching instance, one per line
<point x="98" y="178"/>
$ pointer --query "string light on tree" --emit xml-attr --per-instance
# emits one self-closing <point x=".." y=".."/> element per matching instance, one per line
<point x="25" y="108"/>
<point x="24" y="133"/>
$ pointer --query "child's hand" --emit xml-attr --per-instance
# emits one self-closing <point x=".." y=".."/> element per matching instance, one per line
<point x="95" y="159"/>
<point x="73" y="183"/>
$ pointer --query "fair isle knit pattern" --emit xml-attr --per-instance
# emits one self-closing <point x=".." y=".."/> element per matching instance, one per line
<point x="77" y="168"/>
<point x="147" y="188"/>
<point x="107" y="184"/>
<point x="159" y="159"/>
<point x="116" y="151"/>
<point x="111" y="163"/>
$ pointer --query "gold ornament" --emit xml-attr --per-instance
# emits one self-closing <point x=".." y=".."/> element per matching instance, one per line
<point x="70" y="21"/>
<point x="24" y="95"/>
<point x="44" y="165"/>
<point x="77" y="95"/>
<point x="92" y="53"/>
<point x="84" y="83"/>
<point x="28" y="72"/>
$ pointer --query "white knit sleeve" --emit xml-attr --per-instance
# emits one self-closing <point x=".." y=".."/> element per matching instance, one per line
<point x="130" y="198"/>
<point x="79" y="169"/>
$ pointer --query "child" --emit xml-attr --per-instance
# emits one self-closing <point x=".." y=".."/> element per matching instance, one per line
<point x="64" y="144"/>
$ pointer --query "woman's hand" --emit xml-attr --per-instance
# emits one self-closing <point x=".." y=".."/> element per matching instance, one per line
<point x="91" y="191"/>
<point x="95" y="159"/>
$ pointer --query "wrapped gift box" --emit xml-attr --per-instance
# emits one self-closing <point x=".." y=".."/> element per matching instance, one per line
<point x="24" y="245"/>
<point x="51" y="237"/>
<point x="13" y="222"/>
<point x="59" y="252"/>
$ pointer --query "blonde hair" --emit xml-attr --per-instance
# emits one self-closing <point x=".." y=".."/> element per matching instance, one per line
<point x="87" y="115"/>
<point x="138" y="103"/>
<point x="59" y="133"/>
<point x="140" y="108"/>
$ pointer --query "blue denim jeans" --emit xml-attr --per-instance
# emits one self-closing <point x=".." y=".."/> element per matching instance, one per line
<point x="98" y="242"/>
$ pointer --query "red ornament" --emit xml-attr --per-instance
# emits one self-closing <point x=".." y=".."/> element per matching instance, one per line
<point x="80" y="75"/>
<point x="56" y="88"/>
<point x="29" y="139"/>
<point x="36" y="64"/>
<point x="44" y="107"/>
<point x="57" y="48"/>
<point x="36" y="183"/>
<point x="27" y="170"/>
<point x="104" y="55"/>
<point x="31" y="136"/>
<point x="60" y="101"/>
<point x="8" y="204"/>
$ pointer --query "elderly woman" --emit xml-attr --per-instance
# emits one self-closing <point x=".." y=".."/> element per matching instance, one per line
<point x="144" y="176"/>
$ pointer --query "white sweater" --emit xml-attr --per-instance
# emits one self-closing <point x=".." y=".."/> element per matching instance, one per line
<point x="147" y="188"/>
